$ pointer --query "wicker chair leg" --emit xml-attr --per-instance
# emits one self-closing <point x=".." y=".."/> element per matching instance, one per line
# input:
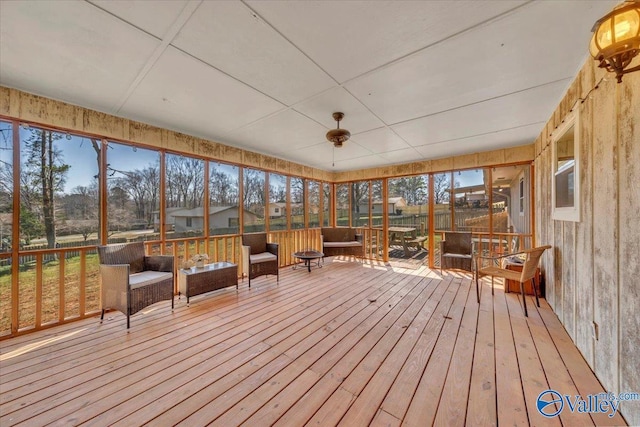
<point x="524" y="300"/>
<point x="535" y="291"/>
<point x="128" y="315"/>
<point x="477" y="288"/>
<point x="102" y="316"/>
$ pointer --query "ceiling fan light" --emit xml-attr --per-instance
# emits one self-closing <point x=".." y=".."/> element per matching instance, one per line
<point x="338" y="136"/>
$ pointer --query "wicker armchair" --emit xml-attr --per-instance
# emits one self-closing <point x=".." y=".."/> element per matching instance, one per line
<point x="456" y="251"/>
<point x="259" y="257"/>
<point x="132" y="281"/>
<point x="531" y="260"/>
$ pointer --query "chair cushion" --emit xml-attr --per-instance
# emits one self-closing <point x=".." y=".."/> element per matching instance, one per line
<point x="145" y="278"/>
<point x="342" y="244"/>
<point x="450" y="255"/>
<point x="263" y="257"/>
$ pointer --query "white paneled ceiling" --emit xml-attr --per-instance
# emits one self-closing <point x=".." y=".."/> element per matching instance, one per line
<point x="415" y="79"/>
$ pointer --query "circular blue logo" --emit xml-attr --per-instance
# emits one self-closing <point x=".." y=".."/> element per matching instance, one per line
<point x="545" y="403"/>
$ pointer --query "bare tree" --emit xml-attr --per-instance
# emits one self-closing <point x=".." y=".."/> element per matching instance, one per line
<point x="441" y="187"/>
<point x="253" y="195"/>
<point x="223" y="189"/>
<point x="44" y="169"/>
<point x="81" y="210"/>
<point x="359" y="194"/>
<point x="298" y="191"/>
<point x="185" y="181"/>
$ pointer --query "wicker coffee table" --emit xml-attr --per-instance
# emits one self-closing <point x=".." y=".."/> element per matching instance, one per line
<point x="195" y="281"/>
<point x="308" y="257"/>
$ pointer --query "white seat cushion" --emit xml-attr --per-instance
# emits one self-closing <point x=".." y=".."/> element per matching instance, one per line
<point x="145" y="278"/>
<point x="450" y="255"/>
<point x="342" y="244"/>
<point x="263" y="257"/>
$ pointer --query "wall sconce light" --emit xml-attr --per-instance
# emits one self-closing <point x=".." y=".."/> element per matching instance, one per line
<point x="616" y="39"/>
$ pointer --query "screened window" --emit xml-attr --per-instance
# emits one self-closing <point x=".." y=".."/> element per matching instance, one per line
<point x="342" y="205"/>
<point x="184" y="195"/>
<point x="314" y="204"/>
<point x="277" y="202"/>
<point x="298" y="192"/>
<point x="59" y="189"/>
<point x="6" y="187"/>
<point x="326" y="204"/>
<point x="223" y="199"/>
<point x="254" y="200"/>
<point x="471" y="201"/>
<point x="133" y="193"/>
<point x="6" y="223"/>
<point x="441" y="197"/>
<point x="360" y="204"/>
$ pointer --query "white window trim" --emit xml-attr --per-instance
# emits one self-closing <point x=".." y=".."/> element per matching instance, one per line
<point x="567" y="213"/>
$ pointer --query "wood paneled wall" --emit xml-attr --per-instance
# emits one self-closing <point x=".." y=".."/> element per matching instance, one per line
<point x="593" y="273"/>
<point x="43" y="111"/>
<point x="47" y="112"/>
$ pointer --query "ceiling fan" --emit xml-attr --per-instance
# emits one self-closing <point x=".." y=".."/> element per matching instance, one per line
<point x="338" y="136"/>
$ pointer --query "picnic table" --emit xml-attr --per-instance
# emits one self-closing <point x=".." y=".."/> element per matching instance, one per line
<point x="407" y="237"/>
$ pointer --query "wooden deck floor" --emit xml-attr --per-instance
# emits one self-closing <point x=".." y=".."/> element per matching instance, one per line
<point x="348" y="344"/>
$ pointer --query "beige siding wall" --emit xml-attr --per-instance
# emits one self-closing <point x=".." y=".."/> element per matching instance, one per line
<point x="593" y="272"/>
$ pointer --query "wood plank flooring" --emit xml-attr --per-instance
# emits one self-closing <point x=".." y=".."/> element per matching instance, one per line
<point x="348" y="344"/>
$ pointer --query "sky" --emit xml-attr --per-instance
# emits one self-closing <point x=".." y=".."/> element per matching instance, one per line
<point x="78" y="152"/>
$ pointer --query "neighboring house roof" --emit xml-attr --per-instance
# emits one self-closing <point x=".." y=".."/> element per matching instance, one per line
<point x="169" y="210"/>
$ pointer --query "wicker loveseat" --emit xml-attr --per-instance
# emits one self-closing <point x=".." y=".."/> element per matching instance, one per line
<point x="132" y="281"/>
<point x="341" y="241"/>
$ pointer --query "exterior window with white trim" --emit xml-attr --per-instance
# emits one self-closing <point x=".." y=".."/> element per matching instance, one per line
<point x="521" y="195"/>
<point x="566" y="173"/>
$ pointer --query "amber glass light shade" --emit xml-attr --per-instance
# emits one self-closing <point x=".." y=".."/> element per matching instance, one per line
<point x="616" y="39"/>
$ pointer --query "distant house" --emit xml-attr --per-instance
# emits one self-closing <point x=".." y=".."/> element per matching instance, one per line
<point x="193" y="219"/>
<point x="394" y="205"/>
<point x="277" y="209"/>
<point x="170" y="220"/>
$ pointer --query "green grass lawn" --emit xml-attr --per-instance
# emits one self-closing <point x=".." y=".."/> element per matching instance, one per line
<point x="50" y="291"/>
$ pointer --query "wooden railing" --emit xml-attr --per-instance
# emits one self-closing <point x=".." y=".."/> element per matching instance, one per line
<point x="59" y="285"/>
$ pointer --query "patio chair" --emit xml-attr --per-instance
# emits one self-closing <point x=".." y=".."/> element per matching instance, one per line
<point x="259" y="257"/>
<point x="132" y="281"/>
<point x="456" y="251"/>
<point x="530" y="265"/>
